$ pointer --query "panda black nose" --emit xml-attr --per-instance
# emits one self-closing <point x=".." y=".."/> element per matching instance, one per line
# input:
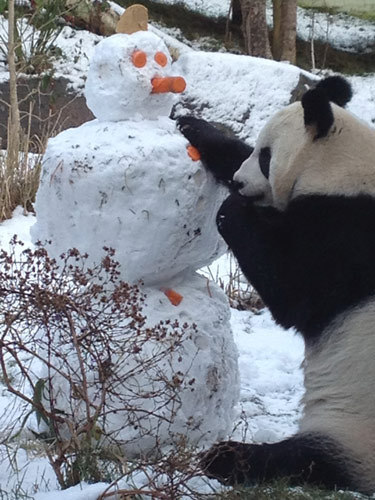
<point x="236" y="185"/>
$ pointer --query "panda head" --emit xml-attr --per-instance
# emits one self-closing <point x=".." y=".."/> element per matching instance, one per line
<point x="311" y="147"/>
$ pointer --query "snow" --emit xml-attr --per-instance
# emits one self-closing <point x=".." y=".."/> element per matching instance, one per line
<point x="19" y="224"/>
<point x="363" y="101"/>
<point x="77" y="48"/>
<point x="271" y="377"/>
<point x="241" y="92"/>
<point x="82" y="491"/>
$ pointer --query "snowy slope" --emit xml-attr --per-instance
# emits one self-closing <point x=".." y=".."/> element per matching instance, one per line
<point x="241" y="92"/>
<point x="343" y="31"/>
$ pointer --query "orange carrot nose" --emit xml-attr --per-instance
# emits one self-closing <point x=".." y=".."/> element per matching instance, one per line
<point x="175" y="84"/>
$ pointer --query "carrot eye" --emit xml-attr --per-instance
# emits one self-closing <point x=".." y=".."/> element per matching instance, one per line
<point x="139" y="58"/>
<point x="161" y="58"/>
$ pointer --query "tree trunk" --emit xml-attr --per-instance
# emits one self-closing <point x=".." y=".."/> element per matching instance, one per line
<point x="254" y="28"/>
<point x="14" y="115"/>
<point x="236" y="12"/>
<point x="284" y="30"/>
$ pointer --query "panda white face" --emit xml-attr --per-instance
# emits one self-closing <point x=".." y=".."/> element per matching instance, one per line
<point x="269" y="164"/>
<point x="290" y="160"/>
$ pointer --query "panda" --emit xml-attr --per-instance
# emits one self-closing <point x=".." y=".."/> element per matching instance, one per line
<point x="300" y="219"/>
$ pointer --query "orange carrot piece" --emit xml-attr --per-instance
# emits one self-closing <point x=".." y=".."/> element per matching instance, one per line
<point x="174" y="84"/>
<point x="193" y="153"/>
<point x="139" y="58"/>
<point x="174" y="297"/>
<point x="161" y="59"/>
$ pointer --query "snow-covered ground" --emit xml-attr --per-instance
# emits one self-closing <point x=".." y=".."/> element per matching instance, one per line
<point x="269" y="357"/>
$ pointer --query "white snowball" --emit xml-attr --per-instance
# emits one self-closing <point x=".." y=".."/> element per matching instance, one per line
<point x="116" y="89"/>
<point x="209" y="358"/>
<point x="143" y="417"/>
<point x="130" y="186"/>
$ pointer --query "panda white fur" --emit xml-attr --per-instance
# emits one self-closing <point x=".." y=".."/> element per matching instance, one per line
<point x="301" y="221"/>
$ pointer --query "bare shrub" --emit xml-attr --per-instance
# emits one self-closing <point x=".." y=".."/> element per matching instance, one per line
<point x="172" y="476"/>
<point x="29" y="49"/>
<point x="239" y="291"/>
<point x="76" y="349"/>
<point x="19" y="181"/>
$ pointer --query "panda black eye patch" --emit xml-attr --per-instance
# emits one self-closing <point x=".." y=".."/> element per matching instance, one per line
<point x="264" y="161"/>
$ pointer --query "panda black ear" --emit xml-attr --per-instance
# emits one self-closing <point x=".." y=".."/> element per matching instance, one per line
<point x="317" y="111"/>
<point x="338" y="89"/>
<point x="316" y="103"/>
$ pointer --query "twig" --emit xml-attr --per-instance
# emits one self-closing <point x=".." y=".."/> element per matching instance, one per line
<point x="312" y="47"/>
<point x="126" y="492"/>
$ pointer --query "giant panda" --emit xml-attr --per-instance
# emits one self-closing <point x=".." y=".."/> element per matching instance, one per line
<point x="300" y="219"/>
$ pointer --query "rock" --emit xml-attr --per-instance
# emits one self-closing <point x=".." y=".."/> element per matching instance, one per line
<point x="55" y="107"/>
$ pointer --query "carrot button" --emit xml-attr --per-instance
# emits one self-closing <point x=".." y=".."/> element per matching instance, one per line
<point x="193" y="153"/>
<point x="174" y="297"/>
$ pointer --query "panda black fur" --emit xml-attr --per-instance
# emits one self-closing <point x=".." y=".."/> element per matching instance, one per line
<point x="302" y="227"/>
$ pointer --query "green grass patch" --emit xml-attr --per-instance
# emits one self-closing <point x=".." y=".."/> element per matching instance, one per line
<point x="366" y="16"/>
<point x="280" y="491"/>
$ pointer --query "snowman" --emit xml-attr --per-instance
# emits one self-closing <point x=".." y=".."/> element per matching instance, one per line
<point x="129" y="180"/>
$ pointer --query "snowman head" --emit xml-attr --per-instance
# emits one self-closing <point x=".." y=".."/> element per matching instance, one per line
<point x="130" y="76"/>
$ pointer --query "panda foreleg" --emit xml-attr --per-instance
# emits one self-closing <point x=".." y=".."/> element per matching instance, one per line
<point x="221" y="155"/>
<point x="307" y="458"/>
<point x="255" y="235"/>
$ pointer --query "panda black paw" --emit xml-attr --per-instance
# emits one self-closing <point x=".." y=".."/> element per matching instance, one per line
<point x="196" y="130"/>
<point x="227" y="462"/>
<point x="220" y="154"/>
